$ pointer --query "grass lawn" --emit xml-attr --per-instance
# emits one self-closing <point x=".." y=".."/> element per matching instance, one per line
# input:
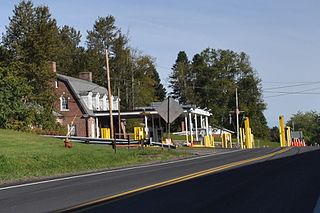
<point x="265" y="143"/>
<point x="27" y="156"/>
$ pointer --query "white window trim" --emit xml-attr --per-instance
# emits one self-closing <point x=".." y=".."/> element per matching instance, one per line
<point x="61" y="108"/>
<point x="72" y="127"/>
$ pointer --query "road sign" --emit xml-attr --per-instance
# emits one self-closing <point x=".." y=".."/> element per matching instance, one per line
<point x="173" y="107"/>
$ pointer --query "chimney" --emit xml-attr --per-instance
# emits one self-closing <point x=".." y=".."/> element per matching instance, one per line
<point x="87" y="76"/>
<point x="53" y="66"/>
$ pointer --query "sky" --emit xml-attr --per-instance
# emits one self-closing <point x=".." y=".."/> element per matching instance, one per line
<point x="280" y="36"/>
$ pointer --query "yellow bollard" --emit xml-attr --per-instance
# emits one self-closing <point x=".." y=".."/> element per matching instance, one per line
<point x="226" y="140"/>
<point x="289" y="139"/>
<point x="138" y="133"/>
<point x="223" y="140"/>
<point x="212" y="140"/>
<point x="282" y="131"/>
<point x="208" y="141"/>
<point x="105" y="133"/>
<point x="248" y="134"/>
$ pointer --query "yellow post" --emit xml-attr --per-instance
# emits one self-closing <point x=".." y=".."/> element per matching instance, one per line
<point x="187" y="138"/>
<point x="223" y="139"/>
<point x="289" y="139"/>
<point x="230" y="140"/>
<point x="247" y="132"/>
<point x="212" y="140"/>
<point x="241" y="137"/>
<point x="138" y="133"/>
<point x="207" y="142"/>
<point x="282" y="131"/>
<point x="226" y="140"/>
<point x="252" y="140"/>
<point x="105" y="133"/>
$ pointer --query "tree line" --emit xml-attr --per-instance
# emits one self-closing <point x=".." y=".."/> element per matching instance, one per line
<point x="33" y="38"/>
<point x="210" y="80"/>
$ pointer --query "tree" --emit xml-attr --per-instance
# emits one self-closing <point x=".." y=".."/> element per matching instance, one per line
<point x="180" y="78"/>
<point x="274" y="134"/>
<point x="160" y="91"/>
<point x="100" y="39"/>
<point x="32" y="35"/>
<point x="133" y="73"/>
<point x="251" y="102"/>
<point x="309" y="124"/>
<point x="71" y="59"/>
<point x="106" y="36"/>
<point x="121" y="69"/>
<point x="212" y="80"/>
<point x="5" y="55"/>
<point x="147" y="82"/>
<point x="15" y="113"/>
<point x="32" y="38"/>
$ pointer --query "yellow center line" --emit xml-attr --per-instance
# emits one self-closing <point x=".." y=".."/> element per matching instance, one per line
<point x="178" y="179"/>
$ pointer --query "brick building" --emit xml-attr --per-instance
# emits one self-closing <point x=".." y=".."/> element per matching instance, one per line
<point x="78" y="101"/>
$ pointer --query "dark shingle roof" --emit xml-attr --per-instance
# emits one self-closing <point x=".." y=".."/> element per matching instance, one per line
<point x="82" y="87"/>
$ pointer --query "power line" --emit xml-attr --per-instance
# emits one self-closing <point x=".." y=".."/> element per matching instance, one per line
<point x="289" y="82"/>
<point x="295" y="85"/>
<point x="302" y="92"/>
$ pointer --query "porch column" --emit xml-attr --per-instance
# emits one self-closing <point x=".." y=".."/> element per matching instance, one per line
<point x="196" y="126"/>
<point x="97" y="128"/>
<point x="91" y="127"/>
<point x="201" y="122"/>
<point x="153" y="130"/>
<point x="191" y="133"/>
<point x="146" y="129"/>
<point x="186" y="127"/>
<point x="207" y="125"/>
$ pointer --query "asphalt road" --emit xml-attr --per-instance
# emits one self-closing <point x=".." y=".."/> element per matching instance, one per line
<point x="287" y="183"/>
<point x="245" y="187"/>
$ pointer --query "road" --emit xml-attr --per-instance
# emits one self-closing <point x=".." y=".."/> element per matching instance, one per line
<point x="220" y="182"/>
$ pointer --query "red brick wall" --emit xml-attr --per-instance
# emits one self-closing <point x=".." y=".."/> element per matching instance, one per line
<point x="80" y="122"/>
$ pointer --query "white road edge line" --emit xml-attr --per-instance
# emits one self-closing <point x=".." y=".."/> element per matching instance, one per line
<point x="112" y="171"/>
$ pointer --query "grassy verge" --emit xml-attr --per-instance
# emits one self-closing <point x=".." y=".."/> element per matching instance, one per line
<point x="265" y="143"/>
<point x="27" y="156"/>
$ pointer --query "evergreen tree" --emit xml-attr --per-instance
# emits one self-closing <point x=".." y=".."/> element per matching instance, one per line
<point x="180" y="79"/>
<point x="32" y="38"/>
<point x="121" y="65"/>
<point x="100" y="39"/>
<point x="146" y="82"/>
<point x="71" y="59"/>
<point x="134" y="74"/>
<point x="160" y="91"/>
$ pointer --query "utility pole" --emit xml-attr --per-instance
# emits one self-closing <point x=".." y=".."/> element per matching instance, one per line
<point x="119" y="118"/>
<point x="168" y="117"/>
<point x="237" y="117"/>
<point x="109" y="95"/>
<point x="132" y="87"/>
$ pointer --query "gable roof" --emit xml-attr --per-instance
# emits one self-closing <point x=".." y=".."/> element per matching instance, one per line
<point x="81" y="87"/>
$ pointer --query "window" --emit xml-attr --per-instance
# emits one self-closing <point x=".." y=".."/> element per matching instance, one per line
<point x="72" y="128"/>
<point x="64" y="103"/>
